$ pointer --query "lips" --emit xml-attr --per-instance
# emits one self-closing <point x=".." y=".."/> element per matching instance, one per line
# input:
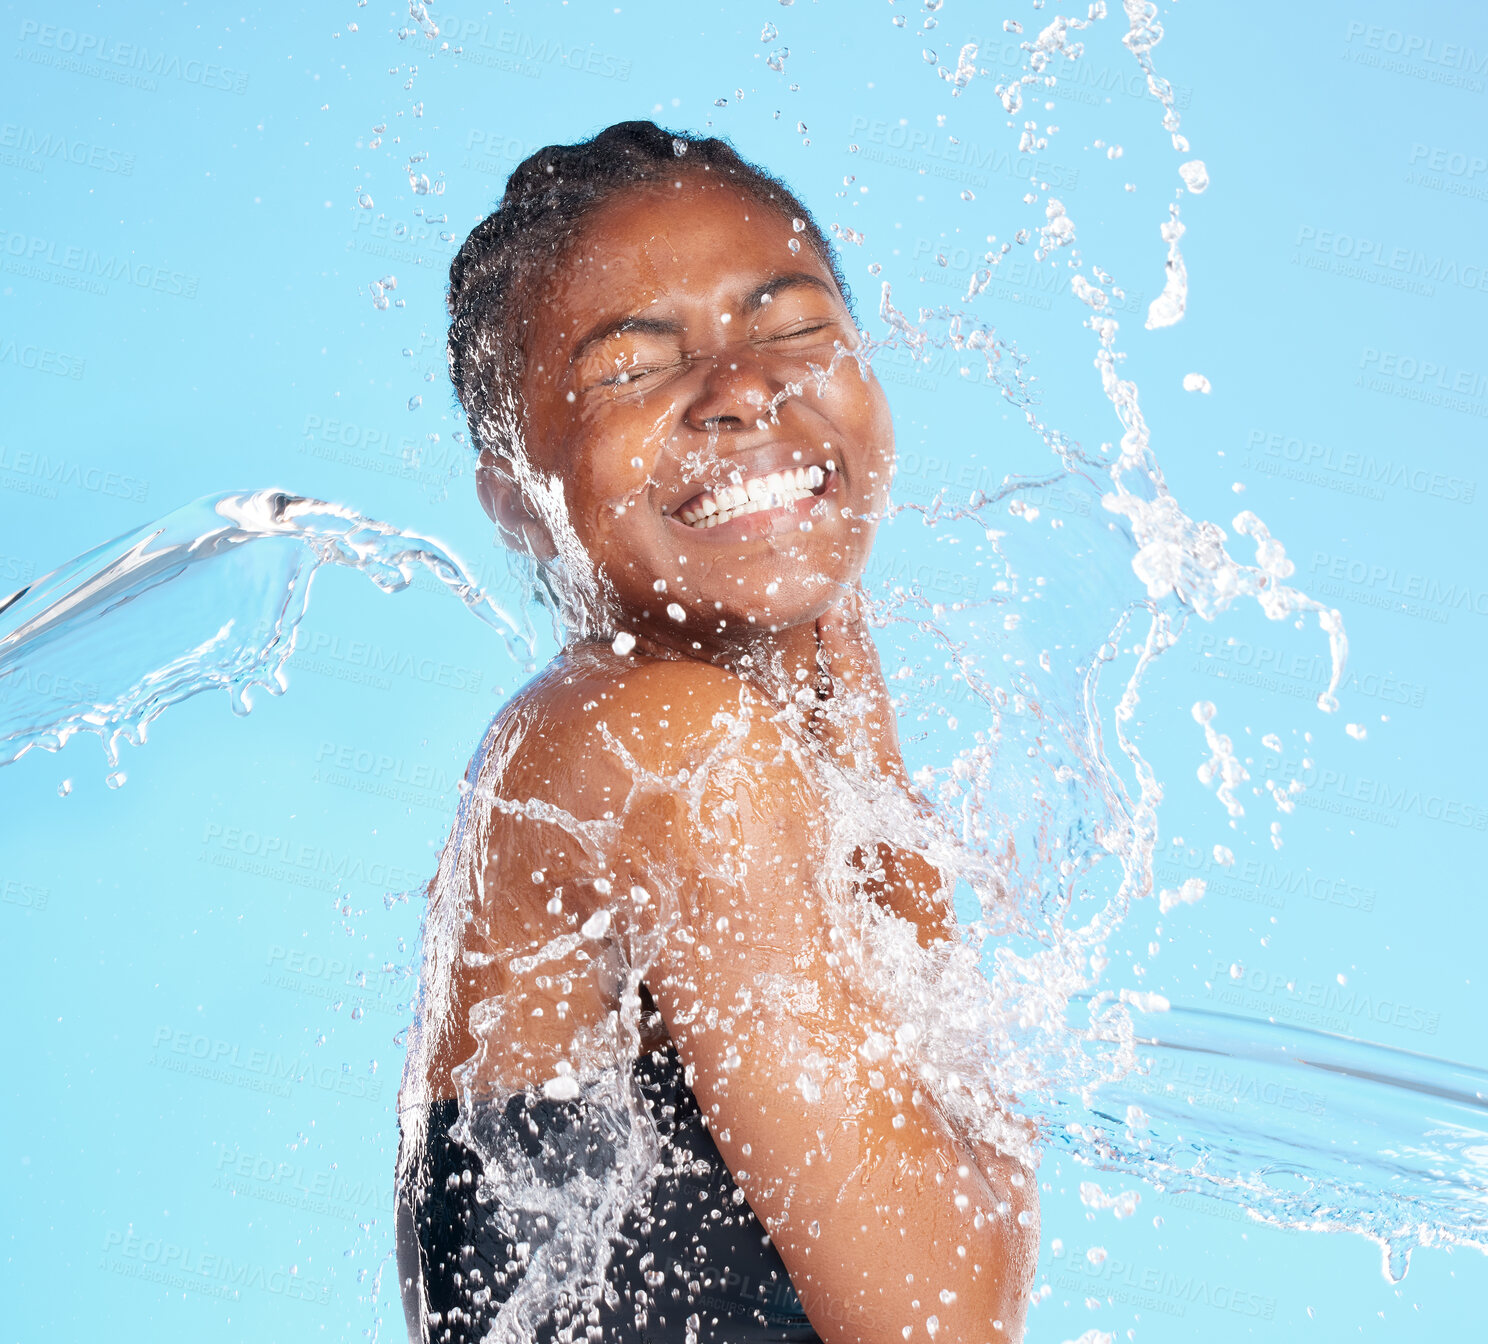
<point x="773" y="490"/>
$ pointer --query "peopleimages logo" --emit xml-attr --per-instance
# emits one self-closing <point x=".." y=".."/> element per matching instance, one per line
<point x="1417" y="594"/>
<point x="33" y="472"/>
<point x="1357" y="471"/>
<point x="1316" y="1003"/>
<point x="28" y="143"/>
<point x="26" y="895"/>
<point x="943" y="155"/>
<point x="1453" y="171"/>
<point x="1160" y="1290"/>
<point x="1073" y="79"/>
<point x="264" y="854"/>
<point x="86" y="268"/>
<point x="256" y="1068"/>
<point x="277" y="1181"/>
<point x="1223" y="1086"/>
<point x="1372" y="799"/>
<point x="99" y="55"/>
<point x="1279" y="669"/>
<point x="173" y="1265"/>
<point x="526" y="54"/>
<point x="1452" y="162"/>
<point x="1260" y="881"/>
<point x="1418" y="46"/>
<point x="1381" y="263"/>
<point x="40" y="359"/>
<point x="382" y="774"/>
<point x="1423" y="380"/>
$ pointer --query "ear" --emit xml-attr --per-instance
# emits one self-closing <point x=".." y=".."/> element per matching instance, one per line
<point x="502" y="500"/>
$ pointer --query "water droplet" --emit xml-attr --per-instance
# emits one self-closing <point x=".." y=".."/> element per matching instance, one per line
<point x="64" y="788"/>
<point x="565" y="1087"/>
<point x="623" y="642"/>
<point x="676" y="612"/>
<point x="1396" y="1262"/>
<point x="1195" y="175"/>
<point x="414" y="403"/>
<point x="794" y="244"/>
<point x="116" y="780"/>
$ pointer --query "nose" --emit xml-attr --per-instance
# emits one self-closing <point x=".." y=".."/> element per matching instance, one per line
<point x="734" y="392"/>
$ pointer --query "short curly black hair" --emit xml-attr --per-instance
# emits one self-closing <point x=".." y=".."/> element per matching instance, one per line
<point x="547" y="197"/>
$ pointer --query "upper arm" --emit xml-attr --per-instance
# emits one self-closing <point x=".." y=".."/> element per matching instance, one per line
<point x="817" y="1116"/>
<point x="713" y="814"/>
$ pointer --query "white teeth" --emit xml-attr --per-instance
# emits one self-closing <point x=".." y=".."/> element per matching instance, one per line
<point x="775" y="490"/>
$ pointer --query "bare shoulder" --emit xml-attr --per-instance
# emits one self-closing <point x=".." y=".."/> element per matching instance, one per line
<point x="591" y="781"/>
<point x="593" y="728"/>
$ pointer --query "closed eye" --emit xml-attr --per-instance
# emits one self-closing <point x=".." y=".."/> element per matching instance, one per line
<point x="635" y="374"/>
<point x="799" y="331"/>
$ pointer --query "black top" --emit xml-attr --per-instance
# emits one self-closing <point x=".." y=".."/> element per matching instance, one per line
<point x="705" y="1252"/>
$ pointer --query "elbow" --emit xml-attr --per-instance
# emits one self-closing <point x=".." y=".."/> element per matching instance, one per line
<point x="1019" y="1251"/>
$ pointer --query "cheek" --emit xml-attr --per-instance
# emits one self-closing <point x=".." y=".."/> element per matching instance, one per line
<point x="862" y="407"/>
<point x="866" y="415"/>
<point x="605" y="466"/>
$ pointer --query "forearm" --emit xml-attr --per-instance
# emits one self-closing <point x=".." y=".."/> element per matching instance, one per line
<point x="943" y="1241"/>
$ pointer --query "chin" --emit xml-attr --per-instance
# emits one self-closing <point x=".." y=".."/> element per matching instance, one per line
<point x="796" y="603"/>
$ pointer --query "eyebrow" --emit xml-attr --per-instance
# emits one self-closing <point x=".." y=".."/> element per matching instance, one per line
<point x="649" y="326"/>
<point x="652" y="326"/>
<point x="755" y="299"/>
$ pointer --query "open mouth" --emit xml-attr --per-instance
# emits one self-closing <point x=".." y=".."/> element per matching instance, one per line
<point x="778" y="489"/>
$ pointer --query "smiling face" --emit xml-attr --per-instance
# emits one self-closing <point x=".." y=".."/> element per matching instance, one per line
<point x="676" y="381"/>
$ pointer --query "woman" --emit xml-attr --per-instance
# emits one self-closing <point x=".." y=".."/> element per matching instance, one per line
<point x="660" y="369"/>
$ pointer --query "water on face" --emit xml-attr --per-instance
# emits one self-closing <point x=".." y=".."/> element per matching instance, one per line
<point x="1043" y="814"/>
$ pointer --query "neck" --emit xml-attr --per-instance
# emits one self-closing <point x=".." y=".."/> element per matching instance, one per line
<point x="779" y="661"/>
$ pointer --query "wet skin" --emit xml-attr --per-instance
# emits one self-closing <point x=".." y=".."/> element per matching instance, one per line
<point x="708" y="379"/>
<point x="679" y="348"/>
<point x="640" y="396"/>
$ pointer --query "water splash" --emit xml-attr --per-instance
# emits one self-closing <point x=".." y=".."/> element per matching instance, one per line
<point x="1045" y="826"/>
<point x="210" y="596"/>
<point x="1358" y="1138"/>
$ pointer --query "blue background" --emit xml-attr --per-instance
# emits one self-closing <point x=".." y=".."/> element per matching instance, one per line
<point x="203" y="1037"/>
